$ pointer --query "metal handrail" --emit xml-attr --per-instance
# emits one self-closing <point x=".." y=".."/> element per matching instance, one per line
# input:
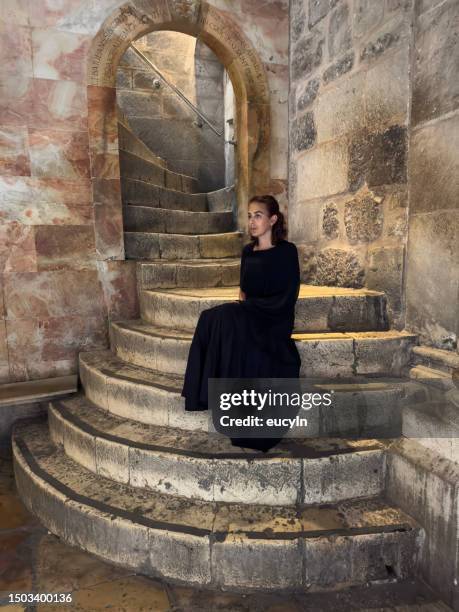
<point x="177" y="91"/>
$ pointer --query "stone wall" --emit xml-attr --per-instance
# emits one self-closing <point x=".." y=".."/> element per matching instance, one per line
<point x="349" y="118"/>
<point x="62" y="268"/>
<point x="432" y="288"/>
<point x="373" y="152"/>
<point x="161" y="119"/>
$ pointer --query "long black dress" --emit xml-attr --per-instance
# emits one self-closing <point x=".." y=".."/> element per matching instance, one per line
<point x="249" y="338"/>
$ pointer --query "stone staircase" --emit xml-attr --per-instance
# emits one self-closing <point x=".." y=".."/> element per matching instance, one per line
<point x="124" y="472"/>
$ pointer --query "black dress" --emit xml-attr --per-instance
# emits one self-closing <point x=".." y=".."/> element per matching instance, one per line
<point x="249" y="338"/>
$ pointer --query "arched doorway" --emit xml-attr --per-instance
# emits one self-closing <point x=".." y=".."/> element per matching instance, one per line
<point x="216" y="29"/>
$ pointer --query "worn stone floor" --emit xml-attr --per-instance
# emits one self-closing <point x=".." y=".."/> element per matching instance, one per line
<point x="33" y="560"/>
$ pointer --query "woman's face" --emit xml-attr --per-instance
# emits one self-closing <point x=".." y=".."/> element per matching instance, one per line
<point x="259" y="221"/>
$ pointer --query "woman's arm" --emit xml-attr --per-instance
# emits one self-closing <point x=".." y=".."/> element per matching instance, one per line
<point x="242" y="295"/>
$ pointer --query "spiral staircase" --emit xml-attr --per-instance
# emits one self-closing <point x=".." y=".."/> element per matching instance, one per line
<point x="122" y="471"/>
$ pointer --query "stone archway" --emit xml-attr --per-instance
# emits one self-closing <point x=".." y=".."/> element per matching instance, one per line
<point x="213" y="27"/>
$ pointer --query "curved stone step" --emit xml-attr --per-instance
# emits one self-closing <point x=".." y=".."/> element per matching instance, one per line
<point x="145" y="194"/>
<point x="188" y="273"/>
<point x="149" y="246"/>
<point x="327" y="354"/>
<point x="362" y="407"/>
<point x="228" y="546"/>
<point x="148" y="219"/>
<point x="318" y="309"/>
<point x="137" y="168"/>
<point x="206" y="466"/>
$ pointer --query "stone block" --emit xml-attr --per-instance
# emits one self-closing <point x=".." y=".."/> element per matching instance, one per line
<point x="108" y="218"/>
<point x="223" y="245"/>
<point x="323" y="171"/>
<point x="17" y="251"/>
<point x="64" y="59"/>
<point x="317" y="555"/>
<point x="337" y="267"/>
<point x="306" y="96"/>
<point x="181" y="556"/>
<point x="298" y="21"/>
<point x="339" y="31"/>
<point x="304" y="221"/>
<point x="434" y="167"/>
<point x="256" y="564"/>
<point x="188" y="477"/>
<point x="118" y="279"/>
<point x="338" y="477"/>
<point x="141" y="246"/>
<point x="394" y="33"/>
<point x="178" y="247"/>
<point x="306" y="56"/>
<point x="367" y="15"/>
<point x="340" y="67"/>
<point x="80" y="446"/>
<point x="387" y="92"/>
<point x="328" y="355"/>
<point x="275" y="482"/>
<point x="378" y="159"/>
<point x="139" y="104"/>
<point x="363" y="219"/>
<point x="341" y="110"/>
<point x="112" y="460"/>
<point x="432" y="263"/>
<point x="387" y="354"/>
<point x="330" y="221"/>
<point x="385" y="273"/>
<point x="303" y="132"/>
<point x="435" y="82"/>
<point x="318" y="9"/>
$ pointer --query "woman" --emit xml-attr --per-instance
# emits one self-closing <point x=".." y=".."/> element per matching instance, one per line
<point x="251" y="338"/>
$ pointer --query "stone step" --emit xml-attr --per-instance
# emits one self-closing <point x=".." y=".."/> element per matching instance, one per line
<point x="206" y="466"/>
<point x="362" y="407"/>
<point x="159" y="220"/>
<point x="229" y="546"/>
<point x="127" y="141"/>
<point x="145" y="194"/>
<point x="149" y="246"/>
<point x="137" y="168"/>
<point x="328" y="354"/>
<point x="435" y="425"/>
<point x="166" y="274"/>
<point x="222" y="200"/>
<point x="318" y="309"/>
<point x="437" y="359"/>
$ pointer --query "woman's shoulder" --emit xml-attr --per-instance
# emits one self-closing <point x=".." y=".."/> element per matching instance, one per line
<point x="288" y="246"/>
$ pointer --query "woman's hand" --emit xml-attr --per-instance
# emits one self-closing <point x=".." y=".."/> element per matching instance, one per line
<point x="241" y="295"/>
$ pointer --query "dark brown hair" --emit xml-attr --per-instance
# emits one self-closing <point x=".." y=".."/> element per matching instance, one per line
<point x="278" y="229"/>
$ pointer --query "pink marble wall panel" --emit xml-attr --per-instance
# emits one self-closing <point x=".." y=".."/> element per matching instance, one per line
<point x="14" y="12"/>
<point x="4" y="359"/>
<point x="56" y="153"/>
<point x="15" y="99"/>
<point x="119" y="281"/>
<point x="35" y="201"/>
<point x="59" y="55"/>
<point x="14" y="151"/>
<point x="108" y="218"/>
<point x="60" y="247"/>
<point x="17" y="248"/>
<point x="53" y="294"/>
<point x="81" y="16"/>
<point x="59" y="105"/>
<point x="15" y="51"/>
<point x="39" y="348"/>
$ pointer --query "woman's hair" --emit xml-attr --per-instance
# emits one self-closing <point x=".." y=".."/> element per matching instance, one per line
<point x="278" y="229"/>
